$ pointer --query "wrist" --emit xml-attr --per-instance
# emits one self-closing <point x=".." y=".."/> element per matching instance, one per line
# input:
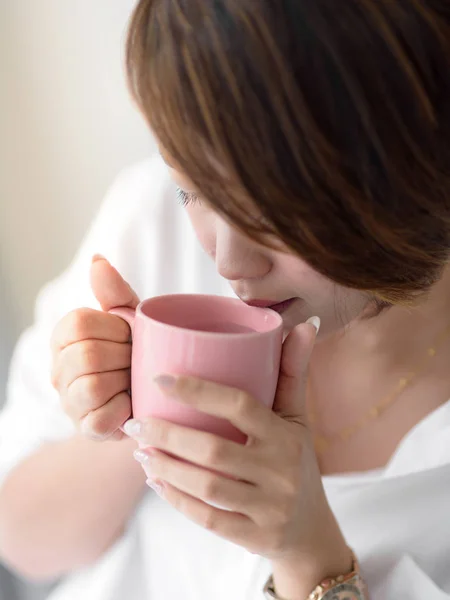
<point x="297" y="574"/>
<point x="294" y="579"/>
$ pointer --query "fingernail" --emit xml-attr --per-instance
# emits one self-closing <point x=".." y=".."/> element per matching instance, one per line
<point x="141" y="456"/>
<point x="316" y="322"/>
<point x="133" y="427"/>
<point x="159" y="489"/>
<point x="166" y="382"/>
<point x="98" y="257"/>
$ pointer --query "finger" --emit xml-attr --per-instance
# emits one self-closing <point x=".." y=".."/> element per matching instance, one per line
<point x="297" y="350"/>
<point x="109" y="287"/>
<point x="88" y="324"/>
<point x="199" y="447"/>
<point x="241" y="409"/>
<point x="232" y="526"/>
<point x="104" y="422"/>
<point x="210" y="487"/>
<point x="87" y="358"/>
<point x="90" y="392"/>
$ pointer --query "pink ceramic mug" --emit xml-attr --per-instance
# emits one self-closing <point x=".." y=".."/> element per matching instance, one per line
<point x="212" y="337"/>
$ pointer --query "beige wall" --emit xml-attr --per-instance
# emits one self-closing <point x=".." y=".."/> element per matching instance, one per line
<point x="67" y="127"/>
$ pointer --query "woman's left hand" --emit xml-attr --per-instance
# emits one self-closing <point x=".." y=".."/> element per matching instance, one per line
<point x="274" y="500"/>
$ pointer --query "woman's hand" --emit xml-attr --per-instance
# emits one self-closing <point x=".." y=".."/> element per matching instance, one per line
<point x="272" y="493"/>
<point x="92" y="358"/>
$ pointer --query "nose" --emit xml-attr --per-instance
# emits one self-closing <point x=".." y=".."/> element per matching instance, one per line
<point x="238" y="257"/>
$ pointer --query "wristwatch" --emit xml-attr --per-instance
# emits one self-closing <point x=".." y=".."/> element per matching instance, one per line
<point x="352" y="585"/>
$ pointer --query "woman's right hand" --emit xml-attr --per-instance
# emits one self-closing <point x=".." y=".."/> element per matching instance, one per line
<point x="92" y="358"/>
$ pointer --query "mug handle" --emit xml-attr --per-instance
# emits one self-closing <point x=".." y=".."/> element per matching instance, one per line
<point x="125" y="313"/>
<point x="129" y="316"/>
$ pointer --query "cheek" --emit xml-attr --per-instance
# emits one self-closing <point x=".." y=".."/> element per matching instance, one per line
<point x="203" y="223"/>
<point x="332" y="301"/>
<point x="301" y="275"/>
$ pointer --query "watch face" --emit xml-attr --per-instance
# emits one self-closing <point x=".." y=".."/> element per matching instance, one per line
<point x="345" y="591"/>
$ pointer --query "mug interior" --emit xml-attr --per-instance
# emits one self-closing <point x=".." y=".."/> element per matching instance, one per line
<point x="213" y="314"/>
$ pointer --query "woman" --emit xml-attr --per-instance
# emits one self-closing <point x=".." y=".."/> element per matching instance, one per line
<point x="309" y="142"/>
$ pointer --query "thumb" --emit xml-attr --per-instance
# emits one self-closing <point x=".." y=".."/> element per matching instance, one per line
<point x="297" y="350"/>
<point x="109" y="287"/>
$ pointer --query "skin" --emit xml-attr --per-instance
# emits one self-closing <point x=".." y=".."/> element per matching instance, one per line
<point x="258" y="272"/>
<point x="260" y="483"/>
<point x="356" y="355"/>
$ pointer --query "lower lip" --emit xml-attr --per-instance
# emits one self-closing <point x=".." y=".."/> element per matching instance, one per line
<point x="283" y="306"/>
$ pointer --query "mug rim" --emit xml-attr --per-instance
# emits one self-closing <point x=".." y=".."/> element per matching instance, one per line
<point x="212" y="334"/>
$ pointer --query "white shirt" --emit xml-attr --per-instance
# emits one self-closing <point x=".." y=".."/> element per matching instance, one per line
<point x="397" y="519"/>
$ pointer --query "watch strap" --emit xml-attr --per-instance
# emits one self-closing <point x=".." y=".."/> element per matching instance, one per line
<point x="352" y="585"/>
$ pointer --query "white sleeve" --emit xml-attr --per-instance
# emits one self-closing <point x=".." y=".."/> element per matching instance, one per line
<point x="129" y="217"/>
<point x="407" y="581"/>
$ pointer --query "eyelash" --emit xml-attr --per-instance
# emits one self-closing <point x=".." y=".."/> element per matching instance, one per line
<point x="186" y="198"/>
<point x="190" y="198"/>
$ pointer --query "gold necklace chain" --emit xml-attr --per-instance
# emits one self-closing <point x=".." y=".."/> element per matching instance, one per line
<point x="323" y="442"/>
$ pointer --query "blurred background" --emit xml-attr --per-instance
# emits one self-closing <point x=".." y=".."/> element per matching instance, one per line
<point x="67" y="127"/>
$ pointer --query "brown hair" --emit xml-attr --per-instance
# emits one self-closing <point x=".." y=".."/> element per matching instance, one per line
<point x="328" y="118"/>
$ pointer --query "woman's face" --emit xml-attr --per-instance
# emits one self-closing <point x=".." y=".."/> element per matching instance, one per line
<point x="265" y="276"/>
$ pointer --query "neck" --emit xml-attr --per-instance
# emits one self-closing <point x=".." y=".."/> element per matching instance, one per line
<point x="351" y="373"/>
<point x="401" y="331"/>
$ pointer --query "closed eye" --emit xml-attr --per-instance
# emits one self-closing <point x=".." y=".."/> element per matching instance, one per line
<point x="186" y="198"/>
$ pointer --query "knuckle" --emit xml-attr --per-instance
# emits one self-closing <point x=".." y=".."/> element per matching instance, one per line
<point x="162" y="431"/>
<point x="90" y="357"/>
<point x="243" y="404"/>
<point x="79" y="322"/>
<point x="273" y="514"/>
<point x="98" y="423"/>
<point x="118" y="408"/>
<point x="210" y="521"/>
<point x="215" y="453"/>
<point x="212" y="488"/>
<point x="60" y="326"/>
<point x="72" y="408"/>
<point x="55" y="378"/>
<point x="93" y="388"/>
<point x="290" y="485"/>
<point x="192" y="385"/>
<point x="59" y="374"/>
<point x="124" y="411"/>
<point x="67" y="406"/>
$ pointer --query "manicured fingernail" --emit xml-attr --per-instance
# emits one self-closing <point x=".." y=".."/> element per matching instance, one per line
<point x="98" y="257"/>
<point x="316" y="322"/>
<point x="166" y="382"/>
<point x="159" y="489"/>
<point x="133" y="427"/>
<point x="141" y="456"/>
